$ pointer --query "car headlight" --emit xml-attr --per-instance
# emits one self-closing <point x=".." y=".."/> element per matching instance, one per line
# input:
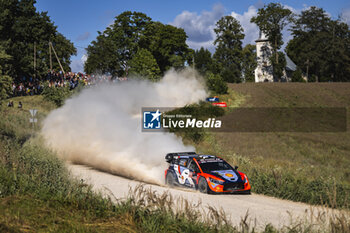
<point x="215" y="181"/>
<point x="245" y="180"/>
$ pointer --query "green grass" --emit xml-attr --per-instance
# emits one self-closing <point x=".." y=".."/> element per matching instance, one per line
<point x="37" y="193"/>
<point x="31" y="214"/>
<point x="307" y="167"/>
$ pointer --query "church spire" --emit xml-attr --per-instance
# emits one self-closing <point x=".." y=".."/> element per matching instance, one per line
<point x="262" y="35"/>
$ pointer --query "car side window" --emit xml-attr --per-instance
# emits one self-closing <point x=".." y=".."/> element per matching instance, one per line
<point x="183" y="162"/>
<point x="193" y="166"/>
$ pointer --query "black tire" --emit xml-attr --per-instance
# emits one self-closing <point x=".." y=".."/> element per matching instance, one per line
<point x="247" y="192"/>
<point x="170" y="179"/>
<point x="203" y="186"/>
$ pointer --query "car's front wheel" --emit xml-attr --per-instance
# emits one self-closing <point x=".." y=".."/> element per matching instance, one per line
<point x="170" y="179"/>
<point x="203" y="185"/>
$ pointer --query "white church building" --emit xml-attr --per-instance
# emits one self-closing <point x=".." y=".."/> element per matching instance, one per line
<point x="264" y="71"/>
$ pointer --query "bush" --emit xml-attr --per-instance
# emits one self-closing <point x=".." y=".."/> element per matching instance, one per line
<point x="297" y="76"/>
<point x="216" y="84"/>
<point x="5" y="86"/>
<point x="56" y="95"/>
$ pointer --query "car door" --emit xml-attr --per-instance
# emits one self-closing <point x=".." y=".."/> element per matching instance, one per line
<point x="193" y="172"/>
<point x="182" y="171"/>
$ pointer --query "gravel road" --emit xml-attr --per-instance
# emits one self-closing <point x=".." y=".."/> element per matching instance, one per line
<point x="261" y="209"/>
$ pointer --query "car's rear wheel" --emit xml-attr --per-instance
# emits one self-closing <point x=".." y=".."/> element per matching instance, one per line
<point x="203" y="185"/>
<point x="246" y="192"/>
<point x="170" y="179"/>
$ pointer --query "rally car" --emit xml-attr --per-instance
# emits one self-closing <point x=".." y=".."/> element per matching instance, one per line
<point x="206" y="173"/>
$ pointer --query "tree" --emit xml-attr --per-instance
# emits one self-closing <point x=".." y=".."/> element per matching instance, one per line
<point x="320" y="46"/>
<point x="271" y="20"/>
<point x="5" y="80"/>
<point x="113" y="49"/>
<point x="23" y="28"/>
<point x="168" y="45"/>
<point x="249" y="62"/>
<point x="144" y="64"/>
<point x="228" y="54"/>
<point x="278" y="66"/>
<point x="297" y="76"/>
<point x="203" y="61"/>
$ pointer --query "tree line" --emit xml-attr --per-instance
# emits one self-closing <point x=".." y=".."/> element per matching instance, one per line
<point x="135" y="45"/>
<point x="320" y="46"/>
<point x="21" y="29"/>
<point x="25" y="34"/>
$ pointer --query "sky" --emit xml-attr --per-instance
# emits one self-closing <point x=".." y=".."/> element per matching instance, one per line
<point x="79" y="20"/>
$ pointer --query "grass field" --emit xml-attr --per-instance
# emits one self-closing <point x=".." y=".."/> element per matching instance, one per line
<point x="308" y="167"/>
<point x="38" y="195"/>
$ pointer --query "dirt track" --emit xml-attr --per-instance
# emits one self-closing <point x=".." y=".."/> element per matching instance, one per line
<point x="262" y="209"/>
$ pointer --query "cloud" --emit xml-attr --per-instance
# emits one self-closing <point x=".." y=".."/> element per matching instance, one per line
<point x="77" y="65"/>
<point x="84" y="36"/>
<point x="251" y="30"/>
<point x="200" y="28"/>
<point x="259" y="4"/>
<point x="345" y="15"/>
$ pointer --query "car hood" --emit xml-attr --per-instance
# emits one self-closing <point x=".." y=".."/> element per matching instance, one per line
<point x="229" y="175"/>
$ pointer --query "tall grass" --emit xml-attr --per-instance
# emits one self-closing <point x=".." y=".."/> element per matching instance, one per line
<point x="178" y="215"/>
<point x="292" y="183"/>
<point x="315" y="172"/>
<point x="34" y="182"/>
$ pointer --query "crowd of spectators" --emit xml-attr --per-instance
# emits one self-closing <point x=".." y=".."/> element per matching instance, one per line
<point x="33" y="86"/>
<point x="70" y="79"/>
<point x="26" y="86"/>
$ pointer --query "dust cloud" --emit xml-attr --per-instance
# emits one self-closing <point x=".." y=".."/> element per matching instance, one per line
<point x="101" y="127"/>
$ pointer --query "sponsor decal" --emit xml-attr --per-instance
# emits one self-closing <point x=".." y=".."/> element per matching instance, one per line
<point x="220" y="104"/>
<point x="227" y="174"/>
<point x="213" y="99"/>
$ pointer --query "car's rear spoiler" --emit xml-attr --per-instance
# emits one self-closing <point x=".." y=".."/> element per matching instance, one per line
<point x="169" y="157"/>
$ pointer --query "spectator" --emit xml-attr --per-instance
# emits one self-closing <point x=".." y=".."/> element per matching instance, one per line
<point x="10" y="104"/>
<point x="20" y="104"/>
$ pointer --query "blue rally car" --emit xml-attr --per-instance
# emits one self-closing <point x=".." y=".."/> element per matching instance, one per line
<point x="207" y="173"/>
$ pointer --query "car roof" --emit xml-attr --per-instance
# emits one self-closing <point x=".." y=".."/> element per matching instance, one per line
<point x="170" y="157"/>
<point x="195" y="156"/>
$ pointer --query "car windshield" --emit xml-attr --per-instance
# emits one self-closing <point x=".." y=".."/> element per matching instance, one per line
<point x="215" y="166"/>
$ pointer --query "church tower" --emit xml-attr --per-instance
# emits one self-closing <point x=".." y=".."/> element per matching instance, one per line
<point x="263" y="71"/>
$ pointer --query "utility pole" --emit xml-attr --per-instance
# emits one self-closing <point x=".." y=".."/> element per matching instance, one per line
<point x="307" y="69"/>
<point x="50" y="55"/>
<point x="57" y="57"/>
<point x="34" y="58"/>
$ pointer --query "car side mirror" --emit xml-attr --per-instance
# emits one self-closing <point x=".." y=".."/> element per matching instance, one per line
<point x="236" y="167"/>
